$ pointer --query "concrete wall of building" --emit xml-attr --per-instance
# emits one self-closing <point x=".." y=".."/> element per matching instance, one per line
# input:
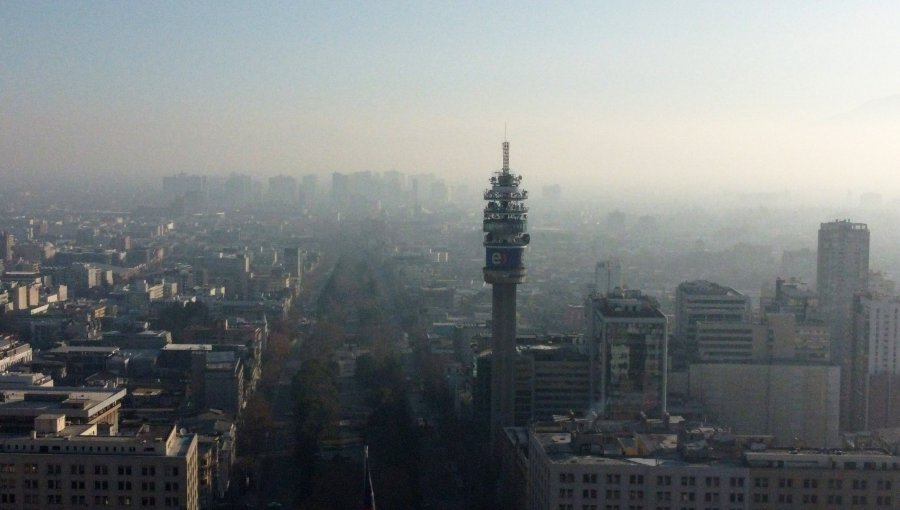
<point x="798" y="404"/>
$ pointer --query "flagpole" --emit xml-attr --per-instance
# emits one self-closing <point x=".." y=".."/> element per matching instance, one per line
<point x="368" y="502"/>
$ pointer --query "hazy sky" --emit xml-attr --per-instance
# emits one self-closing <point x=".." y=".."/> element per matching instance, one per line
<point x="654" y="96"/>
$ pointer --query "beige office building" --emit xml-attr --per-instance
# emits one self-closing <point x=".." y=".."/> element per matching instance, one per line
<point x="70" y="467"/>
<point x="578" y="471"/>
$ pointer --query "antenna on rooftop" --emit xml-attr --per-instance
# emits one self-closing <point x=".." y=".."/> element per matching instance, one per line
<point x="505" y="155"/>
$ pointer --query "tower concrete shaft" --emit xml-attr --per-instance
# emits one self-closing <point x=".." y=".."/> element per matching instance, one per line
<point x="505" y="239"/>
<point x="503" y="365"/>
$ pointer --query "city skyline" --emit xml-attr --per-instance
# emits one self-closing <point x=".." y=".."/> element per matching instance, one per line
<point x="623" y="97"/>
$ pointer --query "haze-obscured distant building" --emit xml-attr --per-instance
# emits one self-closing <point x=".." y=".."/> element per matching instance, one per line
<point x="282" y="191"/>
<point x="607" y="276"/>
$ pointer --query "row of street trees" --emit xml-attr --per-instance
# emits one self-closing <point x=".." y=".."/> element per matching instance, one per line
<point x="356" y="306"/>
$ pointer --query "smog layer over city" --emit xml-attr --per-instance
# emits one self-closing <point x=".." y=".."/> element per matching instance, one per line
<point x="471" y="255"/>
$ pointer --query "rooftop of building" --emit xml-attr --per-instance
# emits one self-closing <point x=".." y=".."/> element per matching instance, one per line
<point x="37" y="400"/>
<point x="84" y="349"/>
<point x="559" y="352"/>
<point x="707" y="288"/>
<point x="630" y="304"/>
<point x="187" y="347"/>
<point x="576" y="442"/>
<point x="845" y="224"/>
<point x="85" y="439"/>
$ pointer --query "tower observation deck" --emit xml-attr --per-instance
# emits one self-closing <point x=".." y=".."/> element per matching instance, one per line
<point x="505" y="239"/>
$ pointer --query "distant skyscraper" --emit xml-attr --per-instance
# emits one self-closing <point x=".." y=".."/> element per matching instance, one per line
<point x="194" y="189"/>
<point x="282" y="190"/>
<point x="842" y="271"/>
<point x="552" y="192"/>
<point x="240" y="190"/>
<point x="607" y="276"/>
<point x="505" y="221"/>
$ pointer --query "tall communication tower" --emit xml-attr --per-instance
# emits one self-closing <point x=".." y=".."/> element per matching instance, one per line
<point x="505" y="221"/>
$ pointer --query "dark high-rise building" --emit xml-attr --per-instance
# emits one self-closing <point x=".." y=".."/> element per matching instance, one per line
<point x="505" y="239"/>
<point x="627" y="341"/>
<point x="7" y="243"/>
<point x="842" y="271"/>
<point x="292" y="262"/>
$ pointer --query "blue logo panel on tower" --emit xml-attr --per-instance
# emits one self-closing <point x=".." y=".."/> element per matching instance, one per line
<point x="504" y="257"/>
